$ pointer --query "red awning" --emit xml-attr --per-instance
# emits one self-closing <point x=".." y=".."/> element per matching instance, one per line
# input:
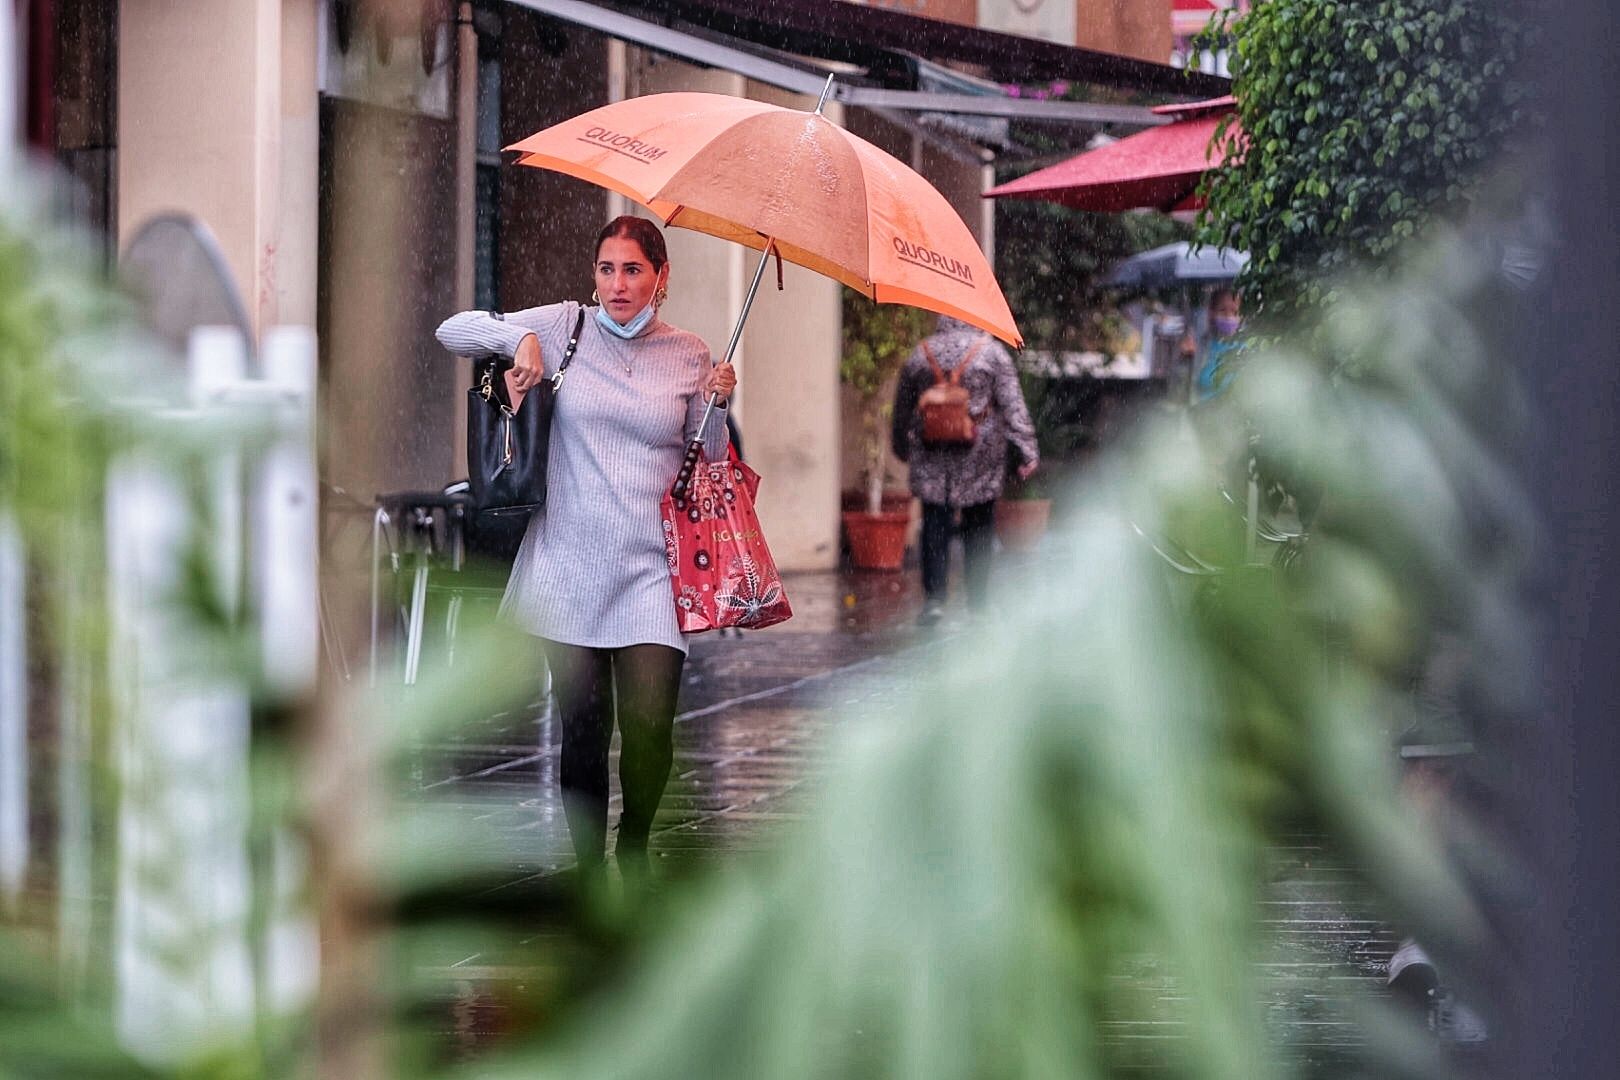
<point x="1154" y="169"/>
<point x="1189" y="109"/>
<point x="1191" y="16"/>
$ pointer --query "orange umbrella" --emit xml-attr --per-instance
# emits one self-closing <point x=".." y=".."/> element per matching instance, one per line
<point x="782" y="180"/>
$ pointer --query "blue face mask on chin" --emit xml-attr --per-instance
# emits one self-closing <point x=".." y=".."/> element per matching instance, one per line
<point x="629" y="329"/>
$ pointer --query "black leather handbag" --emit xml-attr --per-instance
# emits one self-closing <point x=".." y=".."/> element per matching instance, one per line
<point x="507" y="449"/>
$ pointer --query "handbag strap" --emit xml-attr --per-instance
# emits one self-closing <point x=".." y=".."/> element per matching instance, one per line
<point x="568" y="353"/>
<point x="487" y="387"/>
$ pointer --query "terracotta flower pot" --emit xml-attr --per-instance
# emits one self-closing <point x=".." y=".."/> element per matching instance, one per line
<point x="1020" y="523"/>
<point x="895" y="501"/>
<point x="876" y="541"/>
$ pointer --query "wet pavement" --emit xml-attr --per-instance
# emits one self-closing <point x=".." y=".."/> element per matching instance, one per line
<point x="748" y="729"/>
<point x="753" y="714"/>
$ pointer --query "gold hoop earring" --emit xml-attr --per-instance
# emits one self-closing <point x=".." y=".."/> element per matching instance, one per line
<point x="597" y="300"/>
<point x="660" y="296"/>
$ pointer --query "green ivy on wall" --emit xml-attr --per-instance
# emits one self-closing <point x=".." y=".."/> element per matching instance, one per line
<point x="1364" y="121"/>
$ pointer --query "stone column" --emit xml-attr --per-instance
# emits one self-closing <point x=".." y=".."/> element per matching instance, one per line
<point x="217" y="118"/>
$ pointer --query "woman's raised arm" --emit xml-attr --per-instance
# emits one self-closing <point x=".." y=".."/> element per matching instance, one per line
<point x="489" y="333"/>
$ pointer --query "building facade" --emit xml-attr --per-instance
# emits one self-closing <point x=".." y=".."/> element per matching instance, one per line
<point x="345" y="156"/>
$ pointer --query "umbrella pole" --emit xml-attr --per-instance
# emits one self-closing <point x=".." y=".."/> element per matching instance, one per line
<point x="736" y="333"/>
<point x="695" y="447"/>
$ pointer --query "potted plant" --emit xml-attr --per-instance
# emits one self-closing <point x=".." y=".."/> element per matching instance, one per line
<point x="1024" y="510"/>
<point x="877" y="340"/>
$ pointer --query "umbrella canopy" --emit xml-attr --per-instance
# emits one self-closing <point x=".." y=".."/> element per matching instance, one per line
<point x="1176" y="263"/>
<point x="1154" y="169"/>
<point x="763" y="175"/>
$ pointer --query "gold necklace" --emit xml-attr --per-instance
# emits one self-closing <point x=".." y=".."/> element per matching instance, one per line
<point x="618" y="347"/>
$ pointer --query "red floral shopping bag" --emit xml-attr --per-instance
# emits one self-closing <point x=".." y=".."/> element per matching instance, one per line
<point x="719" y="566"/>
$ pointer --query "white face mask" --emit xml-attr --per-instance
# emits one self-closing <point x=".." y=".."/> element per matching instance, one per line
<point x="630" y="329"/>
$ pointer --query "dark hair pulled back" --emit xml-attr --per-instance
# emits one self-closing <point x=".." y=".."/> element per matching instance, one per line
<point x="642" y="232"/>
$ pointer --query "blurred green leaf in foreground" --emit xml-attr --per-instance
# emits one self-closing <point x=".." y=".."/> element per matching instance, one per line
<point x="1082" y="792"/>
<point x="1091" y="785"/>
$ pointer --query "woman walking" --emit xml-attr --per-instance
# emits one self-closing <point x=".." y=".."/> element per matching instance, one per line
<point x="591" y="578"/>
<point x="961" y="477"/>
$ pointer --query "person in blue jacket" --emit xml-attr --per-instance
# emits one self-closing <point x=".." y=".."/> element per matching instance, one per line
<point x="1220" y="346"/>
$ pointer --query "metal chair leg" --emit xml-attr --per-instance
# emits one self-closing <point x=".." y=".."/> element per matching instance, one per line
<point x="418" y="617"/>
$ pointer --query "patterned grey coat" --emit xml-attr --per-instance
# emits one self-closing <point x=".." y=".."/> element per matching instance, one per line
<point x="966" y="475"/>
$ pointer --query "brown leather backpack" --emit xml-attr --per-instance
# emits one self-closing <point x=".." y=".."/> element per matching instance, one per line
<point x="943" y="407"/>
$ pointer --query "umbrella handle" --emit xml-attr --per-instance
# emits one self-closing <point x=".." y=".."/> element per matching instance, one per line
<point x="683" y="478"/>
<point x="694" y="450"/>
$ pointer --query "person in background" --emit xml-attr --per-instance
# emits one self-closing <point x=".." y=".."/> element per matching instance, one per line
<point x="961" y="479"/>
<point x="1213" y="358"/>
<point x="591" y="579"/>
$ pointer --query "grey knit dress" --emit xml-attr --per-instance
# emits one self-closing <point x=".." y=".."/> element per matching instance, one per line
<point x="592" y="570"/>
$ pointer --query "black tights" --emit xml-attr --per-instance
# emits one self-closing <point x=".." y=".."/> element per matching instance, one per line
<point x="978" y="529"/>
<point x="644" y="681"/>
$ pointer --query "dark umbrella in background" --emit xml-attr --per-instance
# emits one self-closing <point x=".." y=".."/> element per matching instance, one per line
<point x="1177" y="264"/>
<point x="1182" y="266"/>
